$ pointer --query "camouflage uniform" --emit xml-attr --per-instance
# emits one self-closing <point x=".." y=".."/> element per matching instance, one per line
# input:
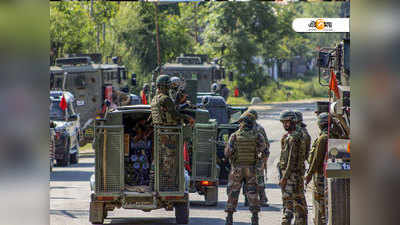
<point x="244" y="148"/>
<point x="316" y="171"/>
<point x="163" y="112"/>
<point x="261" y="169"/>
<point x="120" y="98"/>
<point x="292" y="168"/>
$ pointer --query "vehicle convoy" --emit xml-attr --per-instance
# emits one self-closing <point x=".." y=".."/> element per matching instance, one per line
<point x="66" y="124"/>
<point x="91" y="83"/>
<point x="336" y="62"/>
<point x="199" y="75"/>
<point x="130" y="159"/>
<point x="195" y="67"/>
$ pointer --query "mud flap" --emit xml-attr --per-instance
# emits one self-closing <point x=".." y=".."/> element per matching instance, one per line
<point x="96" y="213"/>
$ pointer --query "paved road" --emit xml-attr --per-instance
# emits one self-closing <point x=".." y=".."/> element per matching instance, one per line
<point x="69" y="187"/>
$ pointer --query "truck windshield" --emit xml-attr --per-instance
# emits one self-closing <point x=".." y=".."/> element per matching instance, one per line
<point x="55" y="112"/>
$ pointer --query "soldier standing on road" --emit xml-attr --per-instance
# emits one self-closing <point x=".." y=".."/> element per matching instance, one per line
<point x="262" y="168"/>
<point x="144" y="92"/>
<point x="316" y="170"/>
<point x="292" y="169"/>
<point x="303" y="128"/>
<point x="163" y="112"/>
<point x="245" y="147"/>
<point x="175" y="85"/>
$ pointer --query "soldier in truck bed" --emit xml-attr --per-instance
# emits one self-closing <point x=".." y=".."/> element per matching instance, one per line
<point x="164" y="113"/>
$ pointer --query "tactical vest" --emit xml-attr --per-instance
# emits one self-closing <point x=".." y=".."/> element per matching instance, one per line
<point x="246" y="148"/>
<point x="161" y="117"/>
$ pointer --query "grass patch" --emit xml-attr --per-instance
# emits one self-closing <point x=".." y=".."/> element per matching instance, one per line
<point x="238" y="101"/>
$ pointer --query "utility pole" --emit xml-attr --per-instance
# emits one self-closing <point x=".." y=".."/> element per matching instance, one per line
<point x="157" y="36"/>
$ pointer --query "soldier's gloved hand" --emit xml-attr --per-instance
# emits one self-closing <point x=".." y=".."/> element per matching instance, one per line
<point x="282" y="183"/>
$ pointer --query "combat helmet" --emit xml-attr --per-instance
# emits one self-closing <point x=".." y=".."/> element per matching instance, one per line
<point x="299" y="116"/>
<point x="247" y="118"/>
<point x="175" y="82"/>
<point x="163" y="81"/>
<point x="214" y="87"/>
<point x="323" y="120"/>
<point x="254" y="112"/>
<point x="146" y="87"/>
<point x="288" y="115"/>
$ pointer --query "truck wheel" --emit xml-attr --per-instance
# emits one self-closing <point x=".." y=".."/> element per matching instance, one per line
<point x="211" y="196"/>
<point x="339" y="201"/>
<point x="96" y="213"/>
<point x="182" y="213"/>
<point x="67" y="157"/>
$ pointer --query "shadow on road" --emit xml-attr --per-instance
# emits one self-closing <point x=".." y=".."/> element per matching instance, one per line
<point x="80" y="165"/>
<point x="199" y="205"/>
<point x="69" y="213"/>
<point x="72" y="175"/>
<point x="273" y="186"/>
<point x="164" y="221"/>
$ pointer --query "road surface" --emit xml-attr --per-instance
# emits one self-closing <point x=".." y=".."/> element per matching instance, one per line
<point x="69" y="187"/>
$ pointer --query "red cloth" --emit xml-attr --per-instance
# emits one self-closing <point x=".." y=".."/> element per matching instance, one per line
<point x="144" y="98"/>
<point x="236" y="92"/>
<point x="333" y="84"/>
<point x="186" y="158"/>
<point x="63" y="103"/>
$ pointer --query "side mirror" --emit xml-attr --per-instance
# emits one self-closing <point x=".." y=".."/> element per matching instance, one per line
<point x="230" y="76"/>
<point x="73" y="117"/>
<point x="133" y="81"/>
<point x="323" y="59"/>
<point x="133" y="75"/>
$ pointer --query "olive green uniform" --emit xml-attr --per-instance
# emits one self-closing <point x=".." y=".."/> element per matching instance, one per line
<point x="261" y="169"/>
<point x="244" y="149"/>
<point x="163" y="112"/>
<point x="316" y="170"/>
<point x="292" y="168"/>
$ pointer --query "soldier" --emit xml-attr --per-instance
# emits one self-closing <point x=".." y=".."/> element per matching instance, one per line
<point x="214" y="87"/>
<point x="292" y="168"/>
<point x="163" y="112"/>
<point x="224" y="91"/>
<point x="120" y="98"/>
<point x="302" y="127"/>
<point x="316" y="171"/>
<point x="144" y="92"/>
<point x="245" y="147"/>
<point x="175" y="84"/>
<point x="262" y="169"/>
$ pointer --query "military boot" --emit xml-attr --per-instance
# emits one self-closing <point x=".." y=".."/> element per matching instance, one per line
<point x="254" y="219"/>
<point x="246" y="201"/>
<point x="263" y="198"/>
<point x="229" y="219"/>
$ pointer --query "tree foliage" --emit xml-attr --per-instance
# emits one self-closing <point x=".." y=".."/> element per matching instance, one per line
<point x="238" y="33"/>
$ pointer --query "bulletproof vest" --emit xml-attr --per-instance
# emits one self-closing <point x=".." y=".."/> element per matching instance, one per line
<point x="245" y="146"/>
<point x="160" y="116"/>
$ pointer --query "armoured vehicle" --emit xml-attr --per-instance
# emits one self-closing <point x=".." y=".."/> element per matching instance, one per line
<point x="123" y="176"/>
<point x="52" y="145"/>
<point x="335" y="62"/>
<point x="66" y="126"/>
<point x="195" y="67"/>
<point x="90" y="82"/>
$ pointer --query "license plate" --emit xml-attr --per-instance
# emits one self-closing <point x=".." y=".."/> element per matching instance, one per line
<point x="346" y="166"/>
<point x="80" y="102"/>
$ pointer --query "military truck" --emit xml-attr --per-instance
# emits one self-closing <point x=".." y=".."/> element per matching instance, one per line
<point x="66" y="125"/>
<point x="90" y="82"/>
<point x="195" y="67"/>
<point x="335" y="62"/>
<point x="123" y="178"/>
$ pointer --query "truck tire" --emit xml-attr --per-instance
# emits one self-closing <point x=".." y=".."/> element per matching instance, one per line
<point x="65" y="162"/>
<point x="211" y="196"/>
<point x="338" y="201"/>
<point x="96" y="213"/>
<point x="182" y="213"/>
